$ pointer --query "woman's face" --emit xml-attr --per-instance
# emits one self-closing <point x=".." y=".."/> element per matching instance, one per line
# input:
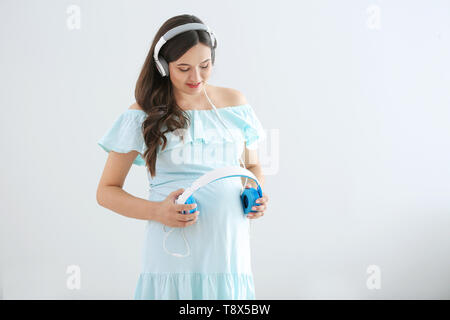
<point x="191" y="68"/>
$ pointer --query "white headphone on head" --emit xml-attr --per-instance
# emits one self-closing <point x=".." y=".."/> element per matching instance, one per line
<point x="161" y="63"/>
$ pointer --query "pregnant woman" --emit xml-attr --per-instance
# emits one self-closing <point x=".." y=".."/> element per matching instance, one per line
<point x="181" y="128"/>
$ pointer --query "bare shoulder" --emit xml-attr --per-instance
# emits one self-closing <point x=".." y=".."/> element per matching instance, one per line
<point x="229" y="97"/>
<point x="233" y="97"/>
<point x="135" y="106"/>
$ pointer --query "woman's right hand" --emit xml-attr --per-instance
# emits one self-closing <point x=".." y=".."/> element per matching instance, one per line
<point x="169" y="212"/>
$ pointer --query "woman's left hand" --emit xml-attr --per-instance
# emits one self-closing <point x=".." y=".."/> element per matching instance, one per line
<point x="258" y="208"/>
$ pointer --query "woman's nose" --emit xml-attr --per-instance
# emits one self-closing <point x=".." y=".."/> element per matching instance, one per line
<point x="195" y="76"/>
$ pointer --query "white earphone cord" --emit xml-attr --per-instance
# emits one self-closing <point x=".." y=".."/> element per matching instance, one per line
<point x="242" y="189"/>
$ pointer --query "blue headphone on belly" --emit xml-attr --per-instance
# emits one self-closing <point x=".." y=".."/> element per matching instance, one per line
<point x="248" y="196"/>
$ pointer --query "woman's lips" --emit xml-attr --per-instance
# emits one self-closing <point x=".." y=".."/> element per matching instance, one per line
<point x="193" y="86"/>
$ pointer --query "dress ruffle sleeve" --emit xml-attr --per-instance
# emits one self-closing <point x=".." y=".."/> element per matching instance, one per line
<point x="206" y="129"/>
<point x="247" y="120"/>
<point x="126" y="135"/>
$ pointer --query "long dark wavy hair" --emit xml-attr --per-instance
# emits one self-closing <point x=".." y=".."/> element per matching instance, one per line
<point x="154" y="93"/>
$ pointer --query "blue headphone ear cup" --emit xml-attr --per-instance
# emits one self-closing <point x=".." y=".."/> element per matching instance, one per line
<point x="248" y="198"/>
<point x="191" y="200"/>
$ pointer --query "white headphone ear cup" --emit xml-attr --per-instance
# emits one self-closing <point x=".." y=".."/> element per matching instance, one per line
<point x="213" y="40"/>
<point x="161" y="70"/>
<point x="164" y="65"/>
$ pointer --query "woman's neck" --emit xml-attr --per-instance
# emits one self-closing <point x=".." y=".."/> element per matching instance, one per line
<point x="199" y="101"/>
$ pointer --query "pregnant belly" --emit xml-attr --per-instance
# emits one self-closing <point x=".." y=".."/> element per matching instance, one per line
<point x="220" y="233"/>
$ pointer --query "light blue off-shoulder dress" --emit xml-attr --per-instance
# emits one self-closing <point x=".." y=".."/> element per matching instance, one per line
<point x="219" y="264"/>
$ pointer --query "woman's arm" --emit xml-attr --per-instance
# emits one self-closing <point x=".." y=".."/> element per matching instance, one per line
<point x="110" y="193"/>
<point x="253" y="165"/>
<point x="257" y="171"/>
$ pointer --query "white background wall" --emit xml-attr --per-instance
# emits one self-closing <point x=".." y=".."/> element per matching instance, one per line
<point x="358" y="91"/>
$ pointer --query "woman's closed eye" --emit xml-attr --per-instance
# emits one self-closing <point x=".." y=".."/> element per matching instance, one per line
<point x="188" y="69"/>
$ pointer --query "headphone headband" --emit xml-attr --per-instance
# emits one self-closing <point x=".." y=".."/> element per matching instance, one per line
<point x="217" y="174"/>
<point x="161" y="64"/>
